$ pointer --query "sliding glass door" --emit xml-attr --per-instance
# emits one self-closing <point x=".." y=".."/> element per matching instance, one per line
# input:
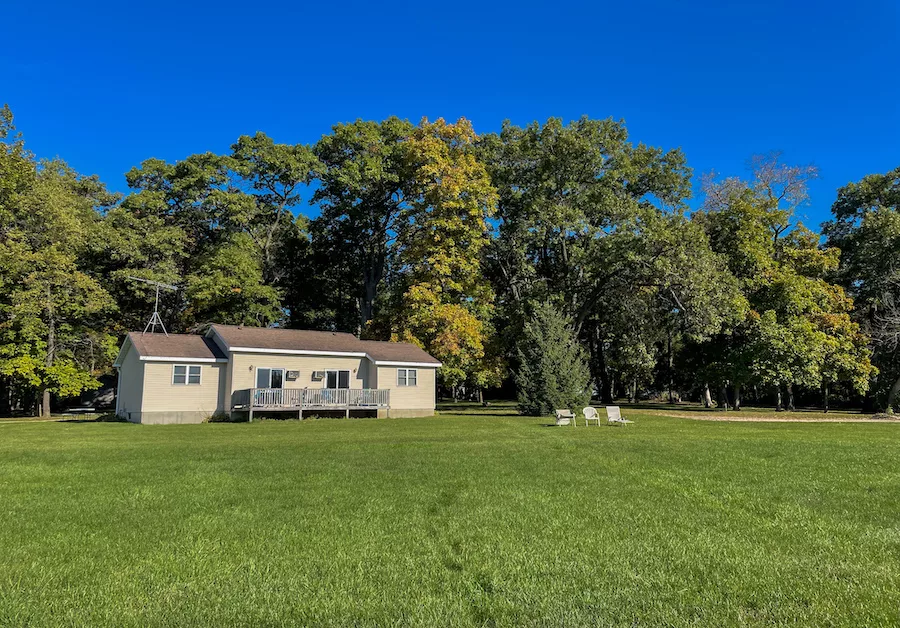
<point x="337" y="379"/>
<point x="269" y="378"/>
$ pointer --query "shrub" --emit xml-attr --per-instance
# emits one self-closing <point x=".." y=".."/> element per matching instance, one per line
<point x="111" y="417"/>
<point x="218" y="417"/>
<point x="553" y="371"/>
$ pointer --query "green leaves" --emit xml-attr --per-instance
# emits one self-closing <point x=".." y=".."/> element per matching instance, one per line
<point x="799" y="330"/>
<point x="866" y="230"/>
<point x="226" y="287"/>
<point x="553" y="371"/>
<point x="594" y="222"/>
<point x="456" y="242"/>
<point x="219" y="225"/>
<point x="52" y="312"/>
<point x="443" y="301"/>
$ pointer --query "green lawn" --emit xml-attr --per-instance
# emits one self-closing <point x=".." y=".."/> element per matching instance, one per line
<point x="476" y="518"/>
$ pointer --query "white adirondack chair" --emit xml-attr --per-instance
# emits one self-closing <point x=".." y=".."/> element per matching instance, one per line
<point x="590" y="414"/>
<point x="565" y="417"/>
<point x="614" y="416"/>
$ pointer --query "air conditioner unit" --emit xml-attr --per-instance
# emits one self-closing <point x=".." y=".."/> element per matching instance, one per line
<point x="318" y="376"/>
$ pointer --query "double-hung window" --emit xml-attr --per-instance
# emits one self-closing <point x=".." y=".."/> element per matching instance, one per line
<point x="185" y="374"/>
<point x="406" y="377"/>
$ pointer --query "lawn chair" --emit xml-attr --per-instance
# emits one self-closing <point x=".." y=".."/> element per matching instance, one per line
<point x="590" y="414"/>
<point x="565" y="417"/>
<point x="614" y="416"/>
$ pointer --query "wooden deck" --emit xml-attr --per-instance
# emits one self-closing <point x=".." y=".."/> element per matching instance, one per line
<point x="301" y="399"/>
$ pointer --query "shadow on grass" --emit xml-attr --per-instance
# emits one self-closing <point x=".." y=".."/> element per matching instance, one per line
<point x="691" y="407"/>
<point x="94" y="420"/>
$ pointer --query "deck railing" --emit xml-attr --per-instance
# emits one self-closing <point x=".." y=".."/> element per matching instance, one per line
<point x="321" y="398"/>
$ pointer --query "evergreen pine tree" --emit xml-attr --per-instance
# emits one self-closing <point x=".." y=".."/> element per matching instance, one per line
<point x="553" y="371"/>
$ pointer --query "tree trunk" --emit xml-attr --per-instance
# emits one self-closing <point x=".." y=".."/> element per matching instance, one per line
<point x="737" y="397"/>
<point x="707" y="396"/>
<point x="5" y="397"/>
<point x="790" y="392"/>
<point x="778" y="407"/>
<point x="594" y="360"/>
<point x="606" y="385"/>
<point x="371" y="278"/>
<point x="671" y="383"/>
<point x="892" y="396"/>
<point x="723" y="397"/>
<point x="45" y="404"/>
<point x="633" y="395"/>
<point x="51" y="351"/>
<point x="868" y="403"/>
<point x="826" y="396"/>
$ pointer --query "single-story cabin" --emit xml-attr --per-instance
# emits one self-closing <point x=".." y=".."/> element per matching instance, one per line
<point x="186" y="378"/>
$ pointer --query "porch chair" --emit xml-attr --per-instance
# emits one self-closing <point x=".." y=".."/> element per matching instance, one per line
<point x="614" y="416"/>
<point x="590" y="414"/>
<point x="565" y="417"/>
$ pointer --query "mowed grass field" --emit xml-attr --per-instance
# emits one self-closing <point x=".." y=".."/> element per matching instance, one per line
<point x="476" y="518"/>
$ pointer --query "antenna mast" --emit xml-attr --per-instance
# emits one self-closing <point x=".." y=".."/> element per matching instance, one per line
<point x="155" y="319"/>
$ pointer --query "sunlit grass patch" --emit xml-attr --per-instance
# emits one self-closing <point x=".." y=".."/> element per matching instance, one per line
<point x="481" y="517"/>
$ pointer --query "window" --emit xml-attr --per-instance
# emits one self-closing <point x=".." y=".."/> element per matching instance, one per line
<point x="185" y="374"/>
<point x="406" y="377"/>
<point x="269" y="378"/>
<point x="337" y="379"/>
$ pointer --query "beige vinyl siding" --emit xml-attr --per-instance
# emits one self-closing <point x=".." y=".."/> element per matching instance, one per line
<point x="418" y="397"/>
<point x="131" y="382"/>
<point x="161" y="395"/>
<point x="244" y="365"/>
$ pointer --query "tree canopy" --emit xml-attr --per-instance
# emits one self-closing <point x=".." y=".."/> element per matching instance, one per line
<point x="506" y="255"/>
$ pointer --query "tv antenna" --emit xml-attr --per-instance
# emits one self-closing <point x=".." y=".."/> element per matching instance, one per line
<point x="155" y="319"/>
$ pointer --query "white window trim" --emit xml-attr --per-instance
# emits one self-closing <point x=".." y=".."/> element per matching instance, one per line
<point x="406" y="378"/>
<point x="337" y="378"/>
<point x="187" y="375"/>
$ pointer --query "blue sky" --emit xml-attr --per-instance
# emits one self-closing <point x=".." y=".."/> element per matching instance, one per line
<point x="106" y="85"/>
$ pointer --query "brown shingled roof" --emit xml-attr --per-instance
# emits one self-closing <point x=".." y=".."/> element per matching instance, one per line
<point x="324" y="341"/>
<point x="288" y="339"/>
<point x="175" y="346"/>
<point x="396" y="352"/>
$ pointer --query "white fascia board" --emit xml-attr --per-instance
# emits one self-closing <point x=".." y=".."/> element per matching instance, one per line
<point x="118" y="361"/>
<point x="345" y="354"/>
<point x="158" y="358"/>
<point x="424" y="365"/>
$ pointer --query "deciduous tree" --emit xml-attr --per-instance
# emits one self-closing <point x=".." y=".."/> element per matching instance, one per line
<point x="866" y="229"/>
<point x="446" y="303"/>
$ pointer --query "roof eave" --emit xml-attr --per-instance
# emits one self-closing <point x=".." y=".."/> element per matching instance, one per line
<point x="118" y="361"/>
<point x="345" y="354"/>
<point x="405" y="363"/>
<point x="160" y="358"/>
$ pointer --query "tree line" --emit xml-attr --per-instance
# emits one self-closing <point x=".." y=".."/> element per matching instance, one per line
<point x="479" y="248"/>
